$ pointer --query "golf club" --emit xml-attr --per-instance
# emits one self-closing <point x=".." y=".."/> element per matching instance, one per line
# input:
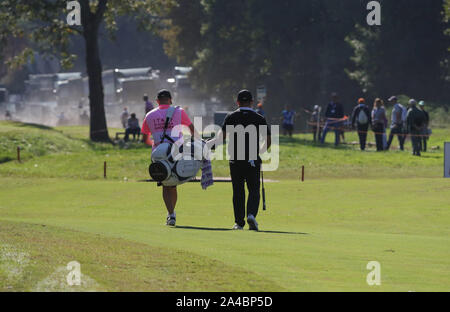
<point x="263" y="191"/>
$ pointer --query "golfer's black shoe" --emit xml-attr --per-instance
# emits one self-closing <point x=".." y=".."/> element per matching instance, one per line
<point x="253" y="225"/>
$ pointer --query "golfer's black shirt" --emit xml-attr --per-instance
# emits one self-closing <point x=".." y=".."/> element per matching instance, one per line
<point x="246" y="124"/>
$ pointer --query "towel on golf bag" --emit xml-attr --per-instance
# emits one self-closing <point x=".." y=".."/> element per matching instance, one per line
<point x="207" y="174"/>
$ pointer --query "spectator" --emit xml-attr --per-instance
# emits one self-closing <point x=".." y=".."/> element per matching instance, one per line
<point x="314" y="122"/>
<point x="81" y="103"/>
<point x="133" y="128"/>
<point x="84" y="118"/>
<point x="260" y="109"/>
<point x="379" y="123"/>
<point x="62" y="121"/>
<point x="334" y="115"/>
<point x="124" y="117"/>
<point x="361" y="119"/>
<point x="8" y="115"/>
<point x="426" y="129"/>
<point x="344" y="125"/>
<point x="288" y="121"/>
<point x="397" y="123"/>
<point x="148" y="105"/>
<point x="415" y="122"/>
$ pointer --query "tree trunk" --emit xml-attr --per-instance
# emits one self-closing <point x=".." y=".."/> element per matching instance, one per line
<point x="91" y="23"/>
<point x="98" y="127"/>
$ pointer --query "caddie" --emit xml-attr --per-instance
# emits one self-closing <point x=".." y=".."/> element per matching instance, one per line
<point x="155" y="125"/>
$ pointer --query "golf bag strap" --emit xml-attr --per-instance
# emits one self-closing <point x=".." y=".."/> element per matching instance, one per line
<point x="169" y="115"/>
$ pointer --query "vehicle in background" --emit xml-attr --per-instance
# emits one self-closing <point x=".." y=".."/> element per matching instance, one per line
<point x="48" y="95"/>
<point x="183" y="91"/>
<point x="3" y="96"/>
<point x="40" y="89"/>
<point x="219" y="117"/>
<point x="69" y="89"/>
<point x="3" y="100"/>
<point x="39" y="99"/>
<point x="126" y="86"/>
<point x="132" y="89"/>
<point x="14" y="103"/>
<point x="185" y="95"/>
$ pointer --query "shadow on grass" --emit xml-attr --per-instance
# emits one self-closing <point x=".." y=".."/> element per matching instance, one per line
<point x="432" y="156"/>
<point x="227" y="230"/>
<point x="113" y="145"/>
<point x="37" y="126"/>
<point x="5" y="159"/>
<point x="281" y="232"/>
<point x="202" y="228"/>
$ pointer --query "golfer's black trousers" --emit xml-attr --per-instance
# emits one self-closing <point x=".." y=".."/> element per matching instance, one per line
<point x="242" y="172"/>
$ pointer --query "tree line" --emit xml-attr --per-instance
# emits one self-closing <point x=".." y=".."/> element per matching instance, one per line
<point x="304" y="50"/>
<point x="301" y="50"/>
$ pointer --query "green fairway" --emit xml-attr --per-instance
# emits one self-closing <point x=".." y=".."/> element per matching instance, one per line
<point x="319" y="235"/>
<point x="315" y="236"/>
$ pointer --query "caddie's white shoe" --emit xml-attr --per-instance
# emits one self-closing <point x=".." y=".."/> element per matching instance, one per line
<point x="237" y="227"/>
<point x="253" y="225"/>
<point x="171" y="220"/>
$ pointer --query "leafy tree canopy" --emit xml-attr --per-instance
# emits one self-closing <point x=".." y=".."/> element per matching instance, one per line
<point x="304" y="50"/>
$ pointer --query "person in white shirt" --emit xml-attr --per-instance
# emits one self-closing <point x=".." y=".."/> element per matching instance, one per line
<point x="398" y="119"/>
<point x="379" y="123"/>
<point x="124" y="117"/>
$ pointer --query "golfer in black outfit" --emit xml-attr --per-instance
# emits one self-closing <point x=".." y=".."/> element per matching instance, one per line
<point x="245" y="165"/>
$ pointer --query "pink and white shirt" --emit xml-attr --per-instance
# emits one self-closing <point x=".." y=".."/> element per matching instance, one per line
<point x="155" y="120"/>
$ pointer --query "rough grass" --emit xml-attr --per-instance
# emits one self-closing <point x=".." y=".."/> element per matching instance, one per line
<point x="67" y="153"/>
<point x="34" y="257"/>
<point x="34" y="141"/>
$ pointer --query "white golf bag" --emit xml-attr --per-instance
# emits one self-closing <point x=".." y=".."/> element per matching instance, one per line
<point x="172" y="166"/>
<point x="174" y="163"/>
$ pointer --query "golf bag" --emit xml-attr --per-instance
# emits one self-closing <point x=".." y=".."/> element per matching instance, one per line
<point x="171" y="167"/>
<point x="174" y="163"/>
